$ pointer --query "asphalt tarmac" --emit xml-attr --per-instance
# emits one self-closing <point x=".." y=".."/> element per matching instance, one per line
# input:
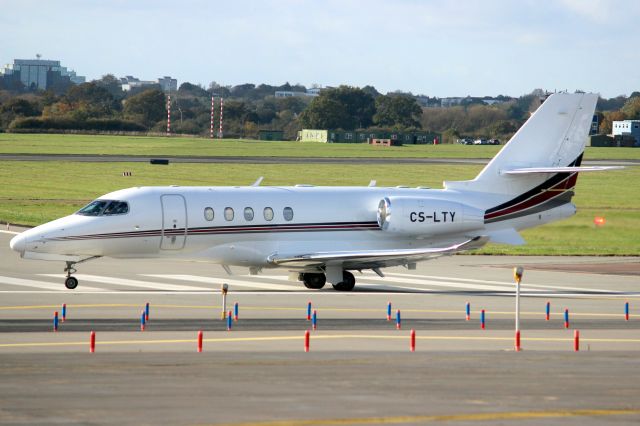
<point x="359" y="369"/>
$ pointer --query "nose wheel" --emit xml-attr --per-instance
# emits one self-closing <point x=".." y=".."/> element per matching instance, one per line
<point x="71" y="282"/>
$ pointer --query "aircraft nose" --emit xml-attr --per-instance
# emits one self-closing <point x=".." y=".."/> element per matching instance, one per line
<point x="18" y="243"/>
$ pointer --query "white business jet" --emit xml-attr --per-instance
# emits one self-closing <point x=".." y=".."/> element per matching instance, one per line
<point x="323" y="233"/>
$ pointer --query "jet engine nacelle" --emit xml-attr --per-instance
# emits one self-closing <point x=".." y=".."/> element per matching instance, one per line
<point x="425" y="216"/>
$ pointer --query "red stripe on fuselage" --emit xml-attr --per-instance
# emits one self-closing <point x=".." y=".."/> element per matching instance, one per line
<point x="544" y="195"/>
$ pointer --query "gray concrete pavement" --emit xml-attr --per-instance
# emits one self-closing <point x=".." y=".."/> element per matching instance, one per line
<point x="359" y="369"/>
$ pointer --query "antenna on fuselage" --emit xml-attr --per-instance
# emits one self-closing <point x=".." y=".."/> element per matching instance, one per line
<point x="258" y="181"/>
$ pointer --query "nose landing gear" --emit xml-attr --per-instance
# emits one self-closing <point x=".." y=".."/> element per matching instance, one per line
<point x="70" y="282"/>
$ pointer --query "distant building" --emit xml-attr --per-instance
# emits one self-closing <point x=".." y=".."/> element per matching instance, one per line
<point x="492" y="101"/>
<point x="449" y="102"/>
<point x="38" y="74"/>
<point x="313" y="92"/>
<point x="271" y="135"/>
<point x="626" y="133"/>
<point x="363" y="136"/>
<point x="167" y="84"/>
<point x="287" y="94"/>
<point x="595" y="125"/>
<point x="626" y="127"/>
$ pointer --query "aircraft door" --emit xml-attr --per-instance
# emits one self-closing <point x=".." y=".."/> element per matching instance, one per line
<point x="174" y="222"/>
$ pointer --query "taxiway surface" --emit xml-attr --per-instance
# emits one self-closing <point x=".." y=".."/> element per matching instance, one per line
<point x="359" y="369"/>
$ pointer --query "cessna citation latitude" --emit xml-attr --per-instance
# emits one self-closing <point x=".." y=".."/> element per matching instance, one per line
<point x="323" y="233"/>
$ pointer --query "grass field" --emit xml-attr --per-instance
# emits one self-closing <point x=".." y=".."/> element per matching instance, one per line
<point x="35" y="192"/>
<point x="179" y="146"/>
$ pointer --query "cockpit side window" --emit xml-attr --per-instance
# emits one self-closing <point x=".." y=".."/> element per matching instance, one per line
<point x="116" y="207"/>
<point x="104" y="208"/>
<point x="94" y="208"/>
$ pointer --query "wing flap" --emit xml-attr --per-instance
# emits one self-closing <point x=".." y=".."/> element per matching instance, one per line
<point x="374" y="258"/>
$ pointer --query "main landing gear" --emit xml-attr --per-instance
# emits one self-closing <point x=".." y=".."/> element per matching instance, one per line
<point x="348" y="282"/>
<point x="317" y="280"/>
<point x="313" y="280"/>
<point x="72" y="282"/>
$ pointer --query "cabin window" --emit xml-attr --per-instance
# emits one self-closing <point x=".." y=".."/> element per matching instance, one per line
<point x="228" y="214"/>
<point x="287" y="213"/>
<point x="208" y="214"/>
<point x="248" y="214"/>
<point x="268" y="214"/>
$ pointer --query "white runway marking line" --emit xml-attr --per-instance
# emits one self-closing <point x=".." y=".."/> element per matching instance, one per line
<point x="129" y="283"/>
<point x="230" y="281"/>
<point x="504" y="283"/>
<point x="391" y="283"/>
<point x="2" y="231"/>
<point x="42" y="284"/>
<point x="428" y="283"/>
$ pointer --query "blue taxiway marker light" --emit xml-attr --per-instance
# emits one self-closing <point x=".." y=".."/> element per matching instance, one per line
<point x="468" y="311"/>
<point x="55" y="321"/>
<point x="566" y="318"/>
<point x="142" y="321"/>
<point x="235" y="311"/>
<point x="389" y="311"/>
<point x="548" y="312"/>
<point x="398" y="320"/>
<point x="314" y="320"/>
<point x="146" y="312"/>
<point x="229" y="321"/>
<point x="626" y="311"/>
<point x="64" y="312"/>
<point x="309" y="311"/>
<point x="482" y="319"/>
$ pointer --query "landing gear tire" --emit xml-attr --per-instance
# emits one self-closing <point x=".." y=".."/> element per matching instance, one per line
<point x="347" y="284"/>
<point x="71" y="283"/>
<point x="314" y="281"/>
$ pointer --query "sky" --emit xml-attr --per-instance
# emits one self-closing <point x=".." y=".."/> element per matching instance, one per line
<point x="430" y="47"/>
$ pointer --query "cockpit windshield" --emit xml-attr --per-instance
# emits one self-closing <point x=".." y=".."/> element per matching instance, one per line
<point x="104" y="208"/>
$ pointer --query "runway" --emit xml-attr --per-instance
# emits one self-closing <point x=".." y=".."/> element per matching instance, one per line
<point x="359" y="369"/>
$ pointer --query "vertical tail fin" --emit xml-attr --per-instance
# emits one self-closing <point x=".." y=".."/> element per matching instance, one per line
<point x="554" y="136"/>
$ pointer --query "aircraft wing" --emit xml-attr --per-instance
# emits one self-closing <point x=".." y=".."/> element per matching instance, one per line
<point x="368" y="259"/>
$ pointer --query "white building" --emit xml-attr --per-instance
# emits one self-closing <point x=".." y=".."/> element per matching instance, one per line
<point x="449" y="102"/>
<point x="626" y="127"/>
<point x="166" y="83"/>
<point x="312" y="92"/>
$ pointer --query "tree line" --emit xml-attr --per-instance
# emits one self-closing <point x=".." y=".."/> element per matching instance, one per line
<point x="102" y="106"/>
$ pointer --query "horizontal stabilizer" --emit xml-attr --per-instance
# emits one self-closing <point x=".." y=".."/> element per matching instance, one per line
<point x="531" y="170"/>
<point x="506" y="236"/>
